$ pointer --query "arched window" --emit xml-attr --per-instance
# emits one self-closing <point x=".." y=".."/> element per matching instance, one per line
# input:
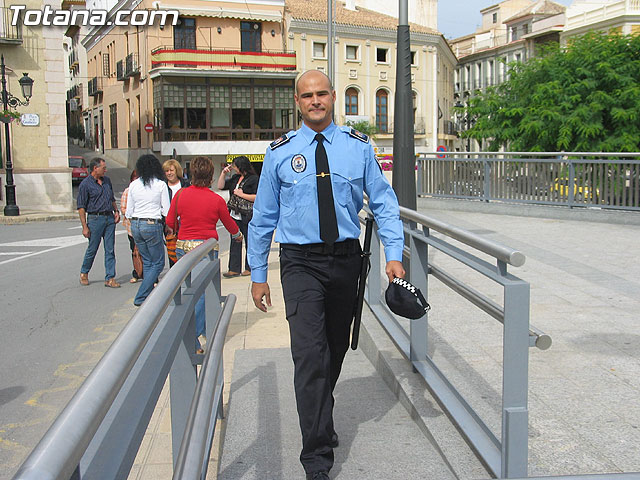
<point x="351" y="102"/>
<point x="382" y="111"/>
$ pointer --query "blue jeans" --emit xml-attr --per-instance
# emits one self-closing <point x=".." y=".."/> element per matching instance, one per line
<point x="101" y="226"/>
<point x="150" y="242"/>
<point x="199" y="310"/>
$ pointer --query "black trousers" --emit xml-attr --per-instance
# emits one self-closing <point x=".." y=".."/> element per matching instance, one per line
<point x="320" y="294"/>
<point x="235" y="248"/>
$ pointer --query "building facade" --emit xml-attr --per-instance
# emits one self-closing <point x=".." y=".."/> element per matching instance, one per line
<point x="511" y="32"/>
<point x="365" y="69"/>
<point x="219" y="82"/>
<point x="38" y="146"/>
<point x="622" y="16"/>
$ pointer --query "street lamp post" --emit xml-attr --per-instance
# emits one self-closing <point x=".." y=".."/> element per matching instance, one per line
<point x="8" y="100"/>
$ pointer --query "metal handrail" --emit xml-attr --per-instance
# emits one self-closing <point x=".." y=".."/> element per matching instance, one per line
<point x="499" y="251"/>
<point x="195" y="447"/>
<point x="60" y="450"/>
<point x="505" y="456"/>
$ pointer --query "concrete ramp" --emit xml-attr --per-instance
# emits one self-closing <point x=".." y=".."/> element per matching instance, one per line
<point x="378" y="438"/>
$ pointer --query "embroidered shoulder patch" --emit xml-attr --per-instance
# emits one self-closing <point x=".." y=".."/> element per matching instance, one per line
<point x="359" y="135"/>
<point x="279" y="142"/>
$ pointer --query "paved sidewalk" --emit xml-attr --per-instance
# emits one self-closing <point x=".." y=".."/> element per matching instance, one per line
<point x="584" y="414"/>
<point x="583" y="394"/>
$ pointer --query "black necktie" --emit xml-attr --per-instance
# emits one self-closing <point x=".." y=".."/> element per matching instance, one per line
<point x="326" y="210"/>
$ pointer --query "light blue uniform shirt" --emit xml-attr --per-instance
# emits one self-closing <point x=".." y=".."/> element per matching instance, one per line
<point x="287" y="199"/>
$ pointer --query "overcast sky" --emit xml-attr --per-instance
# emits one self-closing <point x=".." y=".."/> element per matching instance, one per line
<point x="461" y="17"/>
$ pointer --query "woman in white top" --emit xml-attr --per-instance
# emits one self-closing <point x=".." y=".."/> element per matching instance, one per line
<point x="148" y="202"/>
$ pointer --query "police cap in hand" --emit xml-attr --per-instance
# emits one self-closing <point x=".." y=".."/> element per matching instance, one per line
<point x="405" y="299"/>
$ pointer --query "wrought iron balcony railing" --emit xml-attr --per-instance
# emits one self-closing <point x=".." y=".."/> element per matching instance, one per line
<point x="9" y="34"/>
<point x="95" y="86"/>
<point x="120" y="70"/>
<point x="132" y="67"/>
<point x="223" y="59"/>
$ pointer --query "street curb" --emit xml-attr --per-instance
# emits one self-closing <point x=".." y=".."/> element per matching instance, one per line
<point x="37" y="217"/>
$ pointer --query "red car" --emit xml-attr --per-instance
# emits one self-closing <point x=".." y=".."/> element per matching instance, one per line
<point x="80" y="170"/>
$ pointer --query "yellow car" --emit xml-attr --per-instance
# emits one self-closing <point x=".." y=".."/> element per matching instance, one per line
<point x="580" y="192"/>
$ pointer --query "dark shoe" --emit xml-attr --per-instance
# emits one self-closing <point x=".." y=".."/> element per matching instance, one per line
<point x="84" y="279"/>
<point x="318" y="476"/>
<point x="335" y="443"/>
<point x="111" y="283"/>
<point x="230" y="274"/>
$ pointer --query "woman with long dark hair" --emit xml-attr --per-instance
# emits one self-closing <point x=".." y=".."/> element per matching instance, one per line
<point x="243" y="184"/>
<point x="148" y="202"/>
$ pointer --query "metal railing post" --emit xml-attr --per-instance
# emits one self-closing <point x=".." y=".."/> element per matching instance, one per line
<point x="182" y="385"/>
<point x="418" y="273"/>
<point x="487" y="180"/>
<point x="571" y="185"/>
<point x="515" y="375"/>
<point x="374" y="279"/>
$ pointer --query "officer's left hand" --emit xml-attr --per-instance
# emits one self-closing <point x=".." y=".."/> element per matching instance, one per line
<point x="260" y="291"/>
<point x="116" y="216"/>
<point x="394" y="270"/>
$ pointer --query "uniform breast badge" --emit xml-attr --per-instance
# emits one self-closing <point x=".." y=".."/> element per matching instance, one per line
<point x="299" y="163"/>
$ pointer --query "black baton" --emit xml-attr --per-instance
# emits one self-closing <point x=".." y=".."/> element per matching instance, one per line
<point x="364" y="271"/>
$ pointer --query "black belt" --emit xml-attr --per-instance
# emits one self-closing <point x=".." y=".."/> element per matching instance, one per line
<point x="100" y="213"/>
<point x="348" y="247"/>
<point x="150" y="220"/>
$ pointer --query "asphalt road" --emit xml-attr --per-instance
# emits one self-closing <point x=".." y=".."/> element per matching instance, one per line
<point x="54" y="330"/>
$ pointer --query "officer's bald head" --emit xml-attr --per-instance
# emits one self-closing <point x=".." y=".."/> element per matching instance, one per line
<point x="311" y="73"/>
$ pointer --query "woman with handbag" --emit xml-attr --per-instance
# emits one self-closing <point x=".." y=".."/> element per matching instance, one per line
<point x="194" y="215"/>
<point x="242" y="186"/>
<point x="148" y="202"/>
<point x="175" y="181"/>
<point x="136" y="258"/>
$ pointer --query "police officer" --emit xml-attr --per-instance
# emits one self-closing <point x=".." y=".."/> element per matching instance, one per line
<point x="310" y="192"/>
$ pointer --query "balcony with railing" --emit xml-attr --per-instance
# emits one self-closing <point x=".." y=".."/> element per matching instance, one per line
<point x="94" y="86"/>
<point x="73" y="60"/>
<point x="449" y="128"/>
<point x="131" y="65"/>
<point x="120" y="70"/>
<point x="583" y="15"/>
<point x="223" y="59"/>
<point x="9" y="34"/>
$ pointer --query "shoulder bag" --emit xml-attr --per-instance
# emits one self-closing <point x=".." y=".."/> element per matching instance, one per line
<point x="240" y="205"/>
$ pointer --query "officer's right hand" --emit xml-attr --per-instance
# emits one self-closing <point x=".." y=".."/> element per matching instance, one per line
<point x="258" y="291"/>
<point x="86" y="232"/>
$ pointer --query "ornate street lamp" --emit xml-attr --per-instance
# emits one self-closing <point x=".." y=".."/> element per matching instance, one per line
<point x="8" y="100"/>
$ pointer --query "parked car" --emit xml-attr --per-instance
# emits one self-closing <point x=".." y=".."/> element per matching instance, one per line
<point x="580" y="192"/>
<point x="80" y="170"/>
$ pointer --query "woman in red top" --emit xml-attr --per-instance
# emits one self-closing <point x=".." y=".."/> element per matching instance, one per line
<point x="197" y="210"/>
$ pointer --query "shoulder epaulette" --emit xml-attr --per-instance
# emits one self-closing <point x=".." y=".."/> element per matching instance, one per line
<point x="282" y="140"/>
<point x="359" y="135"/>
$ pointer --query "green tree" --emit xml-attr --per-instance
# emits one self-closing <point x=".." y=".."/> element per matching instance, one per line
<point x="364" y="127"/>
<point x="584" y="97"/>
